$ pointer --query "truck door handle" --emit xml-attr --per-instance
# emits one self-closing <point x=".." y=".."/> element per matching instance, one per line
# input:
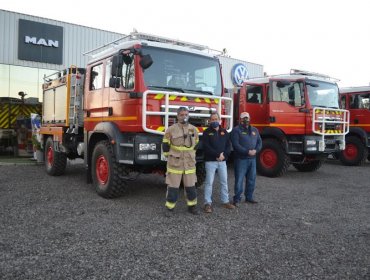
<point x="272" y="119"/>
<point x="356" y="121"/>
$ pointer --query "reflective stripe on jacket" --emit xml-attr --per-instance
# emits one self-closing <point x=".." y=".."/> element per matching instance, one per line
<point x="181" y="156"/>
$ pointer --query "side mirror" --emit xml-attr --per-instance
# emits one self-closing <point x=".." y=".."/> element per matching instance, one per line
<point x="291" y="93"/>
<point x="114" y="82"/>
<point x="282" y="83"/>
<point x="117" y="63"/>
<point x="312" y="84"/>
<point x="127" y="59"/>
<point x="146" y="61"/>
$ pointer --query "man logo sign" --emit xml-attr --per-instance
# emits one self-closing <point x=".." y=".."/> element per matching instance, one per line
<point x="239" y="73"/>
<point x="41" y="42"/>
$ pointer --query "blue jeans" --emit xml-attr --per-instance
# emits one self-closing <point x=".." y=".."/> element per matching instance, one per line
<point x="211" y="167"/>
<point x="244" y="168"/>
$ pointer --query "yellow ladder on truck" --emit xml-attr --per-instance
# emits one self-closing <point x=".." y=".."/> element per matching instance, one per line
<point x="75" y="100"/>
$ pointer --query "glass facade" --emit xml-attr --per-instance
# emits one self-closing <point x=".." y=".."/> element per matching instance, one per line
<point x="20" y="96"/>
<point x="15" y="79"/>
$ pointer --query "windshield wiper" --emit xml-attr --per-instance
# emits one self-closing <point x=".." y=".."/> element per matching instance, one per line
<point x="200" y="91"/>
<point x="170" y="88"/>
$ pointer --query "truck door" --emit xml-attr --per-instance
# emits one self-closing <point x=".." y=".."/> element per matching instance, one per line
<point x="360" y="110"/>
<point x="254" y="102"/>
<point x="122" y="111"/>
<point x="287" y="106"/>
<point x="95" y="101"/>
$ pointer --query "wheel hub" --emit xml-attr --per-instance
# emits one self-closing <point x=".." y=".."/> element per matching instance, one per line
<point x="102" y="170"/>
<point x="351" y="151"/>
<point x="50" y="156"/>
<point x="268" y="158"/>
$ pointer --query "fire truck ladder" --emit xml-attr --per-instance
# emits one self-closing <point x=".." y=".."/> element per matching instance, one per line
<point x="74" y="100"/>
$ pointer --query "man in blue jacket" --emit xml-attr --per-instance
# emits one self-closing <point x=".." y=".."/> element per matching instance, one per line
<point x="247" y="143"/>
<point x="216" y="145"/>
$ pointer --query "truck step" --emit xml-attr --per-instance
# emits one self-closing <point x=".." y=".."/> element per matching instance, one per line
<point x="126" y="161"/>
<point x="130" y="145"/>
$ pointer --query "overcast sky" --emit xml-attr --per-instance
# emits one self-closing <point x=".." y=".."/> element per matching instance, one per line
<point x="329" y="37"/>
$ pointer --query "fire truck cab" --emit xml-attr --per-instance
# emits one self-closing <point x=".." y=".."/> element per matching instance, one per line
<point x="298" y="117"/>
<point x="356" y="100"/>
<point x="114" y="113"/>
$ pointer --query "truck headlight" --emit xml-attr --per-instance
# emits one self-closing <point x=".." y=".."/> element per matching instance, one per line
<point x="342" y="145"/>
<point x="147" y="147"/>
<point x="321" y="146"/>
<point x="148" y="157"/>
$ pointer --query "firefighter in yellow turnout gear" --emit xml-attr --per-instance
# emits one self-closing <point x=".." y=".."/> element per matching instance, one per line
<point x="179" y="145"/>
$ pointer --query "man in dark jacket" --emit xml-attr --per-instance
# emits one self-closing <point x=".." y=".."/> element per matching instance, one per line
<point x="216" y="145"/>
<point x="247" y="143"/>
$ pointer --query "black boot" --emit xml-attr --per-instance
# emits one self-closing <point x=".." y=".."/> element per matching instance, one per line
<point x="169" y="212"/>
<point x="193" y="210"/>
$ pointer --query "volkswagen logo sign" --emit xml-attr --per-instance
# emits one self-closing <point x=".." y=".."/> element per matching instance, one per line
<point x="239" y="73"/>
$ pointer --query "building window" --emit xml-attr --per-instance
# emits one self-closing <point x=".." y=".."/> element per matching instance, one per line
<point x="4" y="80"/>
<point x="15" y="79"/>
<point x="23" y="79"/>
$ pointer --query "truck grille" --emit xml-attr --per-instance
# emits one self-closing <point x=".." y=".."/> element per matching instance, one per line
<point x="194" y="120"/>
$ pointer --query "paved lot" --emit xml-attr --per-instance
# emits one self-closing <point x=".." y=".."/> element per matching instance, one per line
<point x="306" y="226"/>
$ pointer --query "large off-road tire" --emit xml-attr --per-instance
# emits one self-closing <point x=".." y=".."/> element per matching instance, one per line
<point x="355" y="152"/>
<point x="308" y="166"/>
<point x="55" y="162"/>
<point x="201" y="174"/>
<point x="272" y="161"/>
<point x="107" y="174"/>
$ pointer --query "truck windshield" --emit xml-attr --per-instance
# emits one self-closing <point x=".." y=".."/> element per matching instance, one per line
<point x="322" y="94"/>
<point x="185" y="72"/>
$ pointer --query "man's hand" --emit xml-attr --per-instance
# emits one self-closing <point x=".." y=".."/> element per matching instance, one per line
<point x="252" y="153"/>
<point x="221" y="157"/>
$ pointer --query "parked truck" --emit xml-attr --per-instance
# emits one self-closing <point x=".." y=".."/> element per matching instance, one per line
<point x="114" y="112"/>
<point x="356" y="100"/>
<point x="15" y="124"/>
<point x="298" y="117"/>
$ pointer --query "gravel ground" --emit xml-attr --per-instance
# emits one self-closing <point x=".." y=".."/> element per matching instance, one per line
<point x="305" y="226"/>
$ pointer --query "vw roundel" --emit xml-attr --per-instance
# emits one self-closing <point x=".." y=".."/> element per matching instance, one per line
<point x="239" y="73"/>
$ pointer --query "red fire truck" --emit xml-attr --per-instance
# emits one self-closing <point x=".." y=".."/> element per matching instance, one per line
<point x="298" y="117"/>
<point x="356" y="100"/>
<point x="114" y="112"/>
